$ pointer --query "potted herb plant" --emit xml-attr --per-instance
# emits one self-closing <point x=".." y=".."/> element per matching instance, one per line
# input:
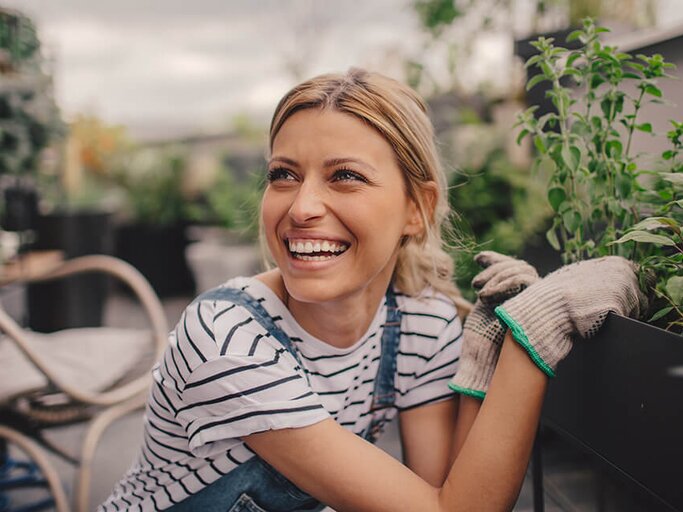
<point x="153" y="239"/>
<point x="618" y="395"/>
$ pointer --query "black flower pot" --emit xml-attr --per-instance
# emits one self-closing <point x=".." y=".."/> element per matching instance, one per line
<point x="21" y="208"/>
<point x="76" y="301"/>
<point x="158" y="252"/>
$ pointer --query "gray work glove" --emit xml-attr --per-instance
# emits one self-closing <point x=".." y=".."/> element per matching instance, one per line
<point x="483" y="334"/>
<point x="571" y="302"/>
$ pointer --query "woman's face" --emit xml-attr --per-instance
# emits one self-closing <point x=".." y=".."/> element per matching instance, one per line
<point x="335" y="207"/>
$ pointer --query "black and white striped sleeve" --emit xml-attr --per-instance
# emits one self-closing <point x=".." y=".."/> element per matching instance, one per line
<point x="249" y="384"/>
<point x="426" y="379"/>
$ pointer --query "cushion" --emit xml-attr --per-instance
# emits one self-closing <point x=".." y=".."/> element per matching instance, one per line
<point x="90" y="358"/>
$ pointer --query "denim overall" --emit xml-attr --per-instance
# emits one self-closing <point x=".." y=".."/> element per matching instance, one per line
<point x="255" y="486"/>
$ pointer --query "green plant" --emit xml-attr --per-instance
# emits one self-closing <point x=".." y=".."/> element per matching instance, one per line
<point x="28" y="114"/>
<point x="598" y="190"/>
<point x="152" y="182"/>
<point x="499" y="206"/>
<point x="231" y="204"/>
<point x="664" y="232"/>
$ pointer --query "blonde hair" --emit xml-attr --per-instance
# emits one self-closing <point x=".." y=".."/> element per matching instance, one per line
<point x="400" y="116"/>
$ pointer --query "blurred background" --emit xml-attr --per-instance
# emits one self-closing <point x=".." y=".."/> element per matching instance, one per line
<point x="143" y="119"/>
<point x="137" y="128"/>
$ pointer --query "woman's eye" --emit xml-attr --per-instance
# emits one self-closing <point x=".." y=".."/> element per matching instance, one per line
<point x="347" y="175"/>
<point x="279" y="173"/>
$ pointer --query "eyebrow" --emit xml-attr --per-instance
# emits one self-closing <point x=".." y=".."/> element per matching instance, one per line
<point x="330" y="162"/>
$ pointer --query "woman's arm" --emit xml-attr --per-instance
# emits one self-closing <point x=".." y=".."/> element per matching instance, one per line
<point x="468" y="408"/>
<point x="427" y="439"/>
<point x="348" y="473"/>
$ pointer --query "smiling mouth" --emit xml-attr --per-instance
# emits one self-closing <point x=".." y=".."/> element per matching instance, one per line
<point x="315" y="250"/>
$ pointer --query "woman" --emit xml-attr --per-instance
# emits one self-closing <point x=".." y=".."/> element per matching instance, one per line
<point x="273" y="388"/>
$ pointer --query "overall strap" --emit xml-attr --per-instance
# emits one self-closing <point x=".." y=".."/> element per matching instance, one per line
<point x="242" y="298"/>
<point x="384" y="394"/>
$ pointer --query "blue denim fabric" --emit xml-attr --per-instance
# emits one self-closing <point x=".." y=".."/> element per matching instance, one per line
<point x="255" y="486"/>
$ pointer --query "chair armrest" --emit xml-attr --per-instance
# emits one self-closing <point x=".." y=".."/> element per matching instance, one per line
<point x="144" y="293"/>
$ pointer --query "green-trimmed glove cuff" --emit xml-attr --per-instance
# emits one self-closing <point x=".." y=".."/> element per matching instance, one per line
<point x="520" y="337"/>
<point x="474" y="393"/>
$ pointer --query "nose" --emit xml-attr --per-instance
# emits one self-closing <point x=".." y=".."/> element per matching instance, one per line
<point x="308" y="204"/>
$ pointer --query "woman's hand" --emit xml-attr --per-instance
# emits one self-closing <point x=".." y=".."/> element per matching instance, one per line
<point x="503" y="277"/>
<point x="572" y="301"/>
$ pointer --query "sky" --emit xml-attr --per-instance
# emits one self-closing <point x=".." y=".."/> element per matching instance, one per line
<point x="166" y="68"/>
<point x="177" y="66"/>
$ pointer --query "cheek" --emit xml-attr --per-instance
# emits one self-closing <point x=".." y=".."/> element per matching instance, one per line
<point x="271" y="214"/>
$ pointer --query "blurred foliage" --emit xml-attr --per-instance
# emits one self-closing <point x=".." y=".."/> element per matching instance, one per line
<point x="231" y="204"/>
<point x="19" y="43"/>
<point x="152" y="181"/>
<point x="500" y="207"/>
<point x="437" y="14"/>
<point x="29" y="117"/>
<point x="100" y="146"/>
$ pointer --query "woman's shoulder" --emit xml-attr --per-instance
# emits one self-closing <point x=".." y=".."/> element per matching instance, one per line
<point x="227" y="321"/>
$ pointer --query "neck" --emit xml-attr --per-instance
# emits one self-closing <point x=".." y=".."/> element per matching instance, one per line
<point x="340" y="322"/>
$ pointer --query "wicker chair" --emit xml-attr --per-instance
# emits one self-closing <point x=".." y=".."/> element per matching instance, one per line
<point x="93" y="375"/>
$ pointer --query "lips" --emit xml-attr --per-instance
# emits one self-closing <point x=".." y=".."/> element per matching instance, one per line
<point x="315" y="249"/>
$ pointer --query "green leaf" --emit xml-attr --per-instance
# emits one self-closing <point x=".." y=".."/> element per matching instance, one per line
<point x="624" y="185"/>
<point x="571" y="156"/>
<point x="668" y="154"/>
<point x="613" y="148"/>
<point x="655" y="223"/>
<point x="521" y="135"/>
<point x="556" y="196"/>
<point x="572" y="58"/>
<point x="534" y="81"/>
<point x="653" y="90"/>
<point x="661" y="313"/>
<point x="571" y="71"/>
<point x="551" y="236"/>
<point x="596" y="81"/>
<point x="574" y="36"/>
<point x="540" y="144"/>
<point x="674" y="287"/>
<point x="645" y="127"/>
<point x="571" y="220"/>
<point x="646" y="237"/>
<point x="532" y="60"/>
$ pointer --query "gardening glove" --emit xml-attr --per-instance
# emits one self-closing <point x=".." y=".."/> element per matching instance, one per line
<point x="483" y="334"/>
<point x="571" y="302"/>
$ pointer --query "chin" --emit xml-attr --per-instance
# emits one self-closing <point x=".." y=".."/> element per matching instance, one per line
<point x="311" y="290"/>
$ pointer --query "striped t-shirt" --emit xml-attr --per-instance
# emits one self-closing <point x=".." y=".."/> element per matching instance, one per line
<point x="223" y="377"/>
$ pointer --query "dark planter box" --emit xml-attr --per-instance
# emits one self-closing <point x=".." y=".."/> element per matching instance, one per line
<point x="158" y="252"/>
<point x="76" y="301"/>
<point x="619" y="398"/>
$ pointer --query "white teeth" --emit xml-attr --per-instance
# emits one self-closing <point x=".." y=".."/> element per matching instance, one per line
<point x="300" y="248"/>
<point x="312" y="258"/>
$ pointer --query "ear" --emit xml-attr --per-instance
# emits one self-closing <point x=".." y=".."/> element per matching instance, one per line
<point x="428" y="193"/>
